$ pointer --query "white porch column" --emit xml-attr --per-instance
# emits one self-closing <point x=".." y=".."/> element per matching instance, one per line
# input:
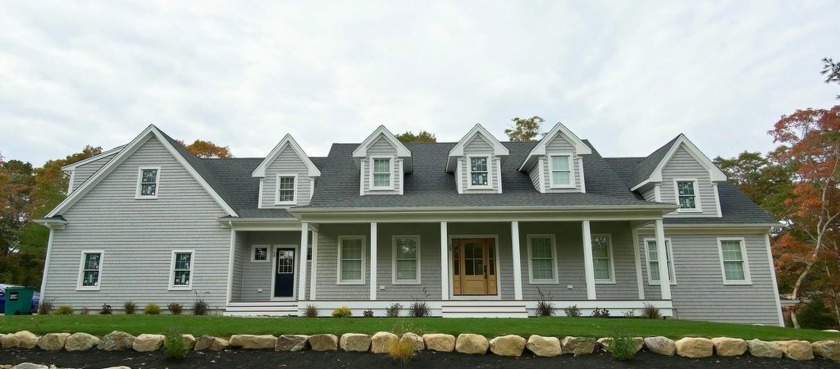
<point x="444" y="262"/>
<point x="588" y="265"/>
<point x="662" y="259"/>
<point x="304" y="246"/>
<point x="374" y="244"/>
<point x="231" y="264"/>
<point x="313" y="277"/>
<point x="517" y="261"/>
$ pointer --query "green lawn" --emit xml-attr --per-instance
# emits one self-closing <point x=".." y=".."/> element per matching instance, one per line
<point x="225" y="326"/>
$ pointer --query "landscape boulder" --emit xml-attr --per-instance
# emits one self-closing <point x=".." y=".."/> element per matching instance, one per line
<point x="291" y="342"/>
<point x="695" y="347"/>
<point x="468" y="343"/>
<point x="355" y="342"/>
<point x="439" y="342"/>
<point x="796" y="350"/>
<point x="52" y="341"/>
<point x="381" y="341"/>
<point x="253" y="342"/>
<point x="605" y="342"/>
<point x="148" y="342"/>
<point x="414" y="340"/>
<point x="210" y="343"/>
<point x="759" y="348"/>
<point x="26" y="339"/>
<point x="578" y="345"/>
<point x="189" y="340"/>
<point x="827" y="349"/>
<point x="80" y="342"/>
<point x="660" y="345"/>
<point x="543" y="346"/>
<point x="323" y="342"/>
<point x="9" y="341"/>
<point x="509" y="345"/>
<point x="116" y="341"/>
<point x="30" y="366"/>
<point x="725" y="346"/>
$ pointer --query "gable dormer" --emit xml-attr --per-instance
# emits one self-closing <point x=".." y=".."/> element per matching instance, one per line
<point x="555" y="165"/>
<point x="679" y="173"/>
<point x="476" y="161"/>
<point x="287" y="176"/>
<point x="383" y="161"/>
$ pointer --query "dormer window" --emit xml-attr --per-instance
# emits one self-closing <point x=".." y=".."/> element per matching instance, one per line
<point x="147" y="183"/>
<point x="479" y="172"/>
<point x="286" y="189"/>
<point x="382" y="172"/>
<point x="687" y="195"/>
<point x="561" y="171"/>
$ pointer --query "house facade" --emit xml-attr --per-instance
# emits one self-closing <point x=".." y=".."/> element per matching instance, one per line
<point x="476" y="228"/>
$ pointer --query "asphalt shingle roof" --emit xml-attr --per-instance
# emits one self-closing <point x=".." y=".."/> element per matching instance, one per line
<point x="647" y="165"/>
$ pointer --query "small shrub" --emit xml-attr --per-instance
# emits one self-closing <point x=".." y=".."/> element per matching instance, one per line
<point x="129" y="307"/>
<point x="572" y="311"/>
<point x="393" y="311"/>
<point x="401" y="351"/>
<point x="174" y="346"/>
<point x="64" y="310"/>
<point x="84" y="311"/>
<point x="175" y="308"/>
<point x="151" y="309"/>
<point x="629" y="313"/>
<point x="622" y="346"/>
<point x="311" y="311"/>
<point x="651" y="312"/>
<point x="45" y="307"/>
<point x="106" y="310"/>
<point x="368" y="313"/>
<point x="199" y="307"/>
<point x="600" y="313"/>
<point x="815" y="315"/>
<point x="342" y="312"/>
<point x="419" y="309"/>
<point x="544" y="306"/>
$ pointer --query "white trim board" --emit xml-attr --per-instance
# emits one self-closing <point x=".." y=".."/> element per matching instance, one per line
<point x="715" y="174"/>
<point x="287" y="140"/>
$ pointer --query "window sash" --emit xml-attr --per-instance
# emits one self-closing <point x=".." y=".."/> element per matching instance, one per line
<point x="602" y="257"/>
<point x="561" y="170"/>
<point x="286" y="188"/>
<point x="90" y="269"/>
<point x="653" y="261"/>
<point x="406" y="258"/>
<point x="148" y="182"/>
<point x="479" y="171"/>
<point x="541" y="255"/>
<point x="381" y="172"/>
<point x="686" y="195"/>
<point x="352" y="260"/>
<point x="182" y="269"/>
<point x="733" y="260"/>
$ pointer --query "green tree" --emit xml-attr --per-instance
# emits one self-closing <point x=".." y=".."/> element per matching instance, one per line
<point x="831" y="71"/>
<point x="524" y="129"/>
<point x="422" y="136"/>
<point x="766" y="182"/>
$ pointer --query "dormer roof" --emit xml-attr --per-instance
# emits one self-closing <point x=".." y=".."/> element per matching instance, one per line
<point x="581" y="148"/>
<point x="289" y="141"/>
<point x="478" y="130"/>
<point x="361" y="152"/>
<point x="650" y="169"/>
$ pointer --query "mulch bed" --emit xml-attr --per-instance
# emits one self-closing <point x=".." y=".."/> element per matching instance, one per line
<point x="426" y="359"/>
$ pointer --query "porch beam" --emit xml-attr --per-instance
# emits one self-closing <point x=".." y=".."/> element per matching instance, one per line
<point x="588" y="264"/>
<point x="304" y="246"/>
<point x="313" y="275"/>
<point x="662" y="259"/>
<point x="374" y="245"/>
<point x="444" y="262"/>
<point x="517" y="260"/>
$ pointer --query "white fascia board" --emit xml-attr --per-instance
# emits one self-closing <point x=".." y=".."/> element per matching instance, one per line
<point x="104" y="154"/>
<point x="458" y="150"/>
<point x="715" y="173"/>
<point x="312" y="170"/>
<point x="559" y="129"/>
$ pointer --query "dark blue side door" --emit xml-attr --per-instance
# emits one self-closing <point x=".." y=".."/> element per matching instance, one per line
<point x="284" y="273"/>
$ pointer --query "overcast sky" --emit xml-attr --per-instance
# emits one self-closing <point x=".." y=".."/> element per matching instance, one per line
<point x="627" y="75"/>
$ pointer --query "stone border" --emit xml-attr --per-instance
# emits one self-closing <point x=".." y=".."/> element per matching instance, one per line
<point x="509" y="345"/>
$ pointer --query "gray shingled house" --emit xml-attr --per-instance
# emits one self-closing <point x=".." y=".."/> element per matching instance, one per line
<point x="477" y="228"/>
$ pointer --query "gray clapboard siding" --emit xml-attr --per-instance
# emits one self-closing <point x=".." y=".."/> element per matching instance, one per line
<point x="479" y="147"/>
<point x="700" y="293"/>
<point x="239" y="255"/>
<point x="327" y="286"/>
<point x="381" y="147"/>
<point x="85" y="171"/>
<point x="429" y="262"/>
<point x="536" y="179"/>
<point x="287" y="162"/>
<point x="138" y="237"/>
<point x="649" y="194"/>
<point x="683" y="166"/>
<point x="257" y="276"/>
<point x="559" y="145"/>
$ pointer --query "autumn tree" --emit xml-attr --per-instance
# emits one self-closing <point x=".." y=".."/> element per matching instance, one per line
<point x="422" y="136"/>
<point x="524" y="129"/>
<point x="207" y="149"/>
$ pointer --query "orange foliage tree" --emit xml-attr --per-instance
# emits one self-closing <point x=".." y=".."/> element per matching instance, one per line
<point x="207" y="149"/>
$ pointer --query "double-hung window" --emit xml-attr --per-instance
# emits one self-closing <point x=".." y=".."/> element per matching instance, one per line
<point x="382" y="172"/>
<point x="479" y="171"/>
<point x="686" y="191"/>
<point x="733" y="259"/>
<point x="542" y="259"/>
<point x="351" y="260"/>
<point x="561" y="171"/>
<point x="653" y="261"/>
<point x="147" y="183"/>
<point x="286" y="189"/>
<point x="90" y="270"/>
<point x="259" y="254"/>
<point x="602" y="258"/>
<point x="406" y="259"/>
<point x="181" y="270"/>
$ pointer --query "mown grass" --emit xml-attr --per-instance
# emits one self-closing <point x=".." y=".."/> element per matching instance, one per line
<point x="557" y="326"/>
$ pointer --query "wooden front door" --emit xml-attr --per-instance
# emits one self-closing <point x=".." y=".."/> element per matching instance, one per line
<point x="474" y="267"/>
<point x="284" y="273"/>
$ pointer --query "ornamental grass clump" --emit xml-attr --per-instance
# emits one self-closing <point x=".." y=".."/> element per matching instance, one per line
<point x="651" y="312"/>
<point x="622" y="346"/>
<point x="544" y="305"/>
<point x="572" y="311"/>
<point x="342" y="312"/>
<point x="175" y="308"/>
<point x="174" y="346"/>
<point x="401" y="351"/>
<point x="129" y="307"/>
<point x="63" y="310"/>
<point x="311" y="311"/>
<point x="393" y="311"/>
<point x="151" y="309"/>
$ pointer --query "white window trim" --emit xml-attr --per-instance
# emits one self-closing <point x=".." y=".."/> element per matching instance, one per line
<point x="139" y="182"/>
<point x="554" y="156"/>
<point x="673" y="268"/>
<point x="277" y="189"/>
<point x="698" y="208"/>
<point x="489" y="184"/>
<point x="172" y="286"/>
<point x="361" y="281"/>
<point x="79" y="286"/>
<point x="373" y="186"/>
<point x="531" y="279"/>
<point x="267" y="252"/>
<point x="394" y="279"/>
<point x="611" y="280"/>
<point x="747" y="278"/>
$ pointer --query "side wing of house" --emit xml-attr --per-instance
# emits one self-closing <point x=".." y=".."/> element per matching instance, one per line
<point x="80" y="171"/>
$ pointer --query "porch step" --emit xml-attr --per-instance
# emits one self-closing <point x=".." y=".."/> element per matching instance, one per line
<point x="261" y="309"/>
<point x="484" y="309"/>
